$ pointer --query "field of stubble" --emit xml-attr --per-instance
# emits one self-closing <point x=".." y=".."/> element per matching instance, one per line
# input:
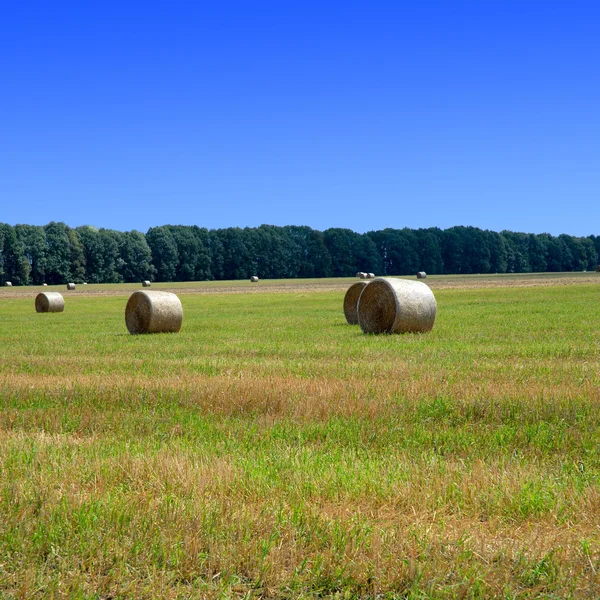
<point x="271" y="450"/>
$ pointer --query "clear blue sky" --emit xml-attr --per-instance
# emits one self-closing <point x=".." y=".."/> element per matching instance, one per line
<point x="330" y="114"/>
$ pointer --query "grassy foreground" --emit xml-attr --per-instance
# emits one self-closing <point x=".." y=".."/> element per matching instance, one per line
<point x="271" y="450"/>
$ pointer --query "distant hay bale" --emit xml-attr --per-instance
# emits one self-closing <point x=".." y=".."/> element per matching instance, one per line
<point x="146" y="283"/>
<point x="421" y="275"/>
<point x="45" y="284"/>
<point x="85" y="283"/>
<point x="370" y="275"/>
<point x="363" y="275"/>
<point x="49" y="302"/>
<point x="8" y="283"/>
<point x="70" y="286"/>
<point x="359" y="274"/>
<point x="351" y="301"/>
<point x="153" y="312"/>
<point x="254" y="279"/>
<point x="396" y="306"/>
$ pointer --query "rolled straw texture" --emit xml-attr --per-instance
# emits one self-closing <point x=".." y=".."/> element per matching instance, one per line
<point x="70" y="286"/>
<point x="146" y="283"/>
<point x="396" y="306"/>
<point x="421" y="275"/>
<point x="153" y="312"/>
<point x="254" y="279"/>
<point x="351" y="301"/>
<point x="49" y="302"/>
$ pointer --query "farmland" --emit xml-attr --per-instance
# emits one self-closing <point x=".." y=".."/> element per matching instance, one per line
<point x="271" y="450"/>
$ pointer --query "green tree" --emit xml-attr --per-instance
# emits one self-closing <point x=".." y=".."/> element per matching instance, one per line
<point x="58" y="253"/>
<point x="14" y="266"/>
<point x="165" y="256"/>
<point x="135" y="262"/>
<point x="33" y="240"/>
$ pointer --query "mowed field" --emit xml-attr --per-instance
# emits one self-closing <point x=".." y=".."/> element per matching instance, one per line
<point x="271" y="450"/>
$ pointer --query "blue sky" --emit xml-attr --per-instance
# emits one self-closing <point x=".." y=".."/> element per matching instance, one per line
<point x="330" y="114"/>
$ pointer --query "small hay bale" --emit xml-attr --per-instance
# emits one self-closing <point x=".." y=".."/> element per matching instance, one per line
<point x="396" y="306"/>
<point x="358" y="274"/>
<point x="85" y="283"/>
<point x="421" y="275"/>
<point x="370" y="275"/>
<point x="8" y="283"/>
<point x="70" y="286"/>
<point x="254" y="279"/>
<point x="146" y="283"/>
<point x="153" y="312"/>
<point x="49" y="302"/>
<point x="45" y="284"/>
<point x="351" y="301"/>
<point x="363" y="275"/>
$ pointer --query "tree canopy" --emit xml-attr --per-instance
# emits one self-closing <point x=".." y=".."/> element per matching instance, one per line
<point x="56" y="253"/>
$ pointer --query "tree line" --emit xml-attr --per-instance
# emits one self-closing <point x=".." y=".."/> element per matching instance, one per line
<point x="56" y="253"/>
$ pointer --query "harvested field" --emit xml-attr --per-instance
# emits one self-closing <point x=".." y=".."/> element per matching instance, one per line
<point x="270" y="449"/>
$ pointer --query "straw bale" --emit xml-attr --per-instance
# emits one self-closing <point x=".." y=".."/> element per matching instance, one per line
<point x="70" y="286"/>
<point x="49" y="302"/>
<point x="351" y="301"/>
<point x="8" y="283"/>
<point x="153" y="312"/>
<point x="370" y="275"/>
<point x="421" y="275"/>
<point x="358" y="274"/>
<point x="45" y="284"/>
<point x="254" y="279"/>
<point x="146" y="283"/>
<point x="363" y="275"/>
<point x="396" y="306"/>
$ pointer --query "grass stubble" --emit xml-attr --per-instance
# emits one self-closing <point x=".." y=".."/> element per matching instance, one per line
<point x="271" y="450"/>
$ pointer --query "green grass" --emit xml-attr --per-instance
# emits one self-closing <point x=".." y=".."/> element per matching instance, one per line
<point x="271" y="450"/>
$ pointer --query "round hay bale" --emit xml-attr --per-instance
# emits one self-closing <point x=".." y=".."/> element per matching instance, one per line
<point x="49" y="302"/>
<point x="359" y="274"/>
<point x="421" y="275"/>
<point x="370" y="275"/>
<point x="396" y="306"/>
<point x="8" y="283"/>
<point x="45" y="284"/>
<point x="70" y="286"/>
<point x="363" y="275"/>
<point x="146" y="283"/>
<point x="153" y="312"/>
<point x="351" y="301"/>
<point x="254" y="279"/>
<point x="85" y="283"/>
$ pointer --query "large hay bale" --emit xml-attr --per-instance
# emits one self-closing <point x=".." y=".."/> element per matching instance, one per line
<point x="8" y="283"/>
<point x="49" y="302"/>
<point x="421" y="275"/>
<point x="396" y="306"/>
<point x="70" y="286"/>
<point x="254" y="279"/>
<point x="146" y="283"/>
<point x="153" y="312"/>
<point x="351" y="301"/>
